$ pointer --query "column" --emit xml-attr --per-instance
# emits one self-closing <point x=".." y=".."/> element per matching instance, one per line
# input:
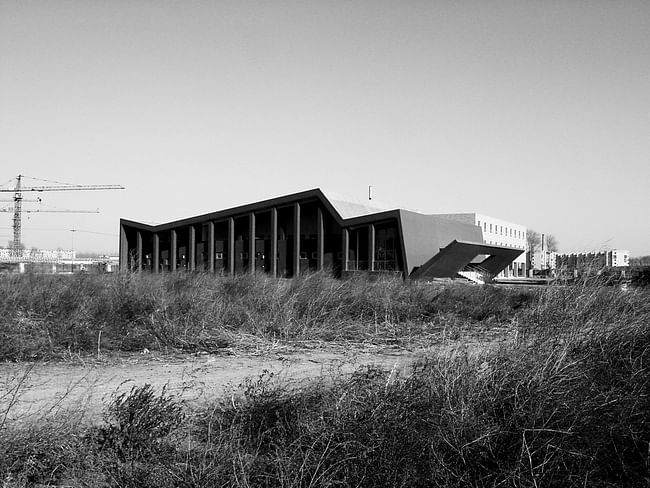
<point x="274" y="242"/>
<point x="124" y="250"/>
<point x="156" y="253"/>
<point x="345" y="244"/>
<point x="296" y="239"/>
<point x="211" y="247"/>
<point x="251" y="243"/>
<point x="231" y="246"/>
<point x="173" y="250"/>
<point x="191" y="251"/>
<point x="371" y="247"/>
<point x="320" y="242"/>
<point x="138" y="246"/>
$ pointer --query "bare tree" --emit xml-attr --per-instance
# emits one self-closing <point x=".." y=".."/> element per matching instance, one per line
<point x="533" y="240"/>
<point x="640" y="261"/>
<point x="551" y="243"/>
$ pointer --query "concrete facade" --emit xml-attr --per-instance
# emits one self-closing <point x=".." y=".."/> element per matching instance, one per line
<point x="498" y="232"/>
<point x="292" y="234"/>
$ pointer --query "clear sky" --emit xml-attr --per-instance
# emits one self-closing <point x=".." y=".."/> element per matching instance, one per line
<point x="537" y="112"/>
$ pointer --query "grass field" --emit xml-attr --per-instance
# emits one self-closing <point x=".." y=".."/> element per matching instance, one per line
<point x="562" y="402"/>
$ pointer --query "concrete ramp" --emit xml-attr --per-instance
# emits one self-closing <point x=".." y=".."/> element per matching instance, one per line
<point x="458" y="254"/>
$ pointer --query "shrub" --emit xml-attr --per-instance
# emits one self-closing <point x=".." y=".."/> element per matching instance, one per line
<point x="137" y="421"/>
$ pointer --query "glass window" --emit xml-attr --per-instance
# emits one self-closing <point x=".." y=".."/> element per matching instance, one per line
<point x="386" y="248"/>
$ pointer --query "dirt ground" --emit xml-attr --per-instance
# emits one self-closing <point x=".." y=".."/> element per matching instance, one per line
<point x="37" y="390"/>
<point x="83" y="386"/>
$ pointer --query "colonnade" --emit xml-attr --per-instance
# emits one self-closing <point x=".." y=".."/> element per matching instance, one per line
<point x="126" y="247"/>
<point x="132" y="253"/>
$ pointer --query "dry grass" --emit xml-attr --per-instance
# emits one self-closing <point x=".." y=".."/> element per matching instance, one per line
<point x="59" y="316"/>
<point x="563" y="403"/>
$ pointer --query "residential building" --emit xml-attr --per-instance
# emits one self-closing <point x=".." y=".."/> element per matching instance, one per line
<point x="616" y="258"/>
<point x="543" y="260"/>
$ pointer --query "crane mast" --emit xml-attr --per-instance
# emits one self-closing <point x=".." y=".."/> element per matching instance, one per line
<point x="18" y="202"/>
<point x="18" y="209"/>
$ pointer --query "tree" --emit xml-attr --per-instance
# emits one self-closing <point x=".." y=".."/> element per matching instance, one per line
<point x="533" y="240"/>
<point x="640" y="261"/>
<point x="551" y="243"/>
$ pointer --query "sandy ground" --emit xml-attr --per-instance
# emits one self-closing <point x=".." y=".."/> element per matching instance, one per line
<point x="32" y="391"/>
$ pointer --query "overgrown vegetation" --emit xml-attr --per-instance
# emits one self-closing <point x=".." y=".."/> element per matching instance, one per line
<point x="564" y="402"/>
<point x="44" y="316"/>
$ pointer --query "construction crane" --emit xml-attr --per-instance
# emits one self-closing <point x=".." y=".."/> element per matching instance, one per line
<point x="57" y="186"/>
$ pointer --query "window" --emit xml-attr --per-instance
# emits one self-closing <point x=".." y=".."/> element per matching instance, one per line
<point x="303" y="255"/>
<point x="218" y="255"/>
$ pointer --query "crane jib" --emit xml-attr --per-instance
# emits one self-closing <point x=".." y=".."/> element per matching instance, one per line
<point x="18" y="201"/>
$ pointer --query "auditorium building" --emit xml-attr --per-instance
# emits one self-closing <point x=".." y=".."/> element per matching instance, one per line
<point x="306" y="231"/>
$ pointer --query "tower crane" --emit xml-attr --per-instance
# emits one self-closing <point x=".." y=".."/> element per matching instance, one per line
<point x="50" y="186"/>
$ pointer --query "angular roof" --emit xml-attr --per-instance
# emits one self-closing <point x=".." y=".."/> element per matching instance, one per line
<point x="454" y="257"/>
<point x="349" y="208"/>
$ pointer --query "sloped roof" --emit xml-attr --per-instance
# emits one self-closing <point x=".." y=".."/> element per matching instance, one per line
<point x="349" y="208"/>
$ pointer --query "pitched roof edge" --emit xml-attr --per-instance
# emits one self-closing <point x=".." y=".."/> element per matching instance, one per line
<point x="271" y="202"/>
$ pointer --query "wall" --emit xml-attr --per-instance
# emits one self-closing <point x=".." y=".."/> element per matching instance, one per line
<point x="425" y="235"/>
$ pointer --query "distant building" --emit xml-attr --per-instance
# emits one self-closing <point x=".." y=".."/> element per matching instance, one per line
<point x="35" y="256"/>
<point x="292" y="234"/>
<point x="500" y="233"/>
<point x="616" y="258"/>
<point x="543" y="260"/>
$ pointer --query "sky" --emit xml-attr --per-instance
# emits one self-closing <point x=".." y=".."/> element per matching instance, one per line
<point x="535" y="112"/>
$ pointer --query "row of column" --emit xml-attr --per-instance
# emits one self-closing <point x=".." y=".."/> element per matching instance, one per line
<point x="231" y="244"/>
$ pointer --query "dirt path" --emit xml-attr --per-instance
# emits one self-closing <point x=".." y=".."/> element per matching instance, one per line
<point x="85" y="386"/>
<point x="29" y="391"/>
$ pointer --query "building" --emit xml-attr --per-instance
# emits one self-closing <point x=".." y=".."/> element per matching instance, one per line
<point x="543" y="260"/>
<point x="616" y="258"/>
<point x="500" y="233"/>
<point x="289" y="235"/>
<point x="35" y="256"/>
<point x="45" y="261"/>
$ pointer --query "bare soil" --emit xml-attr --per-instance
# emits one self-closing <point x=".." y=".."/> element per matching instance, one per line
<point x="83" y="386"/>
